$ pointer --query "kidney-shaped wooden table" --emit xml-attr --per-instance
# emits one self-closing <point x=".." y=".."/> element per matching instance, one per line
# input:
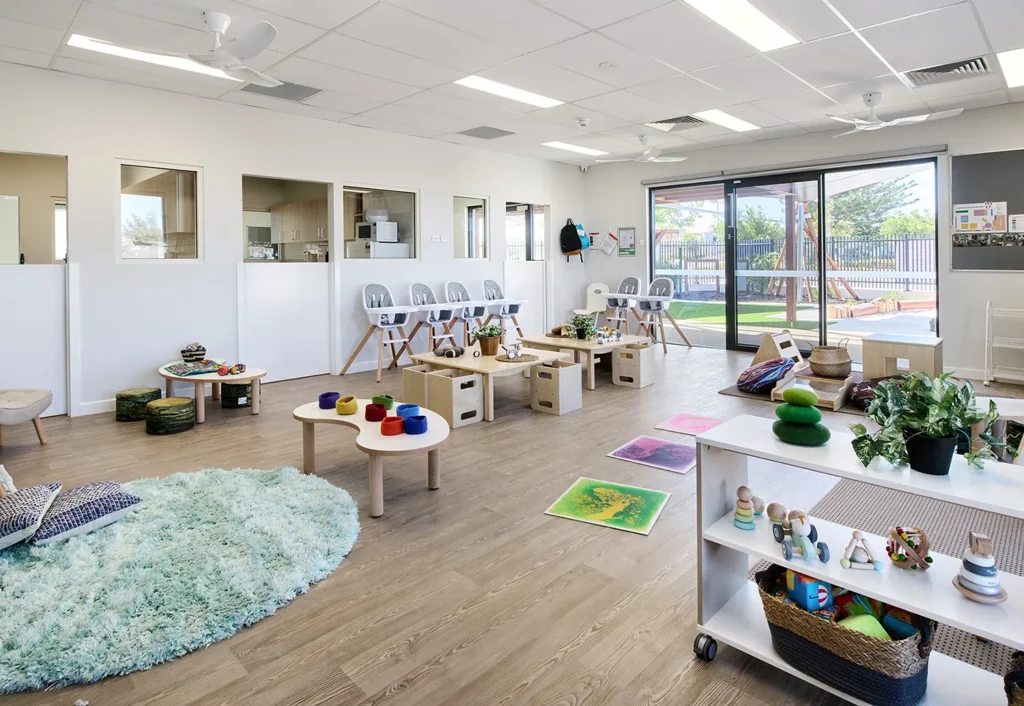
<point x="374" y="444"/>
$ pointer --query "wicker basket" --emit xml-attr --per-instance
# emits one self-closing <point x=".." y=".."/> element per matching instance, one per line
<point x="831" y="361"/>
<point x="887" y="673"/>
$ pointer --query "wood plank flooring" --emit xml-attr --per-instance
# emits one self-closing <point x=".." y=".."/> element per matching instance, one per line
<point x="464" y="595"/>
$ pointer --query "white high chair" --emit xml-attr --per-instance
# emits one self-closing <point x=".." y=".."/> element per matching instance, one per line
<point x="596" y="303"/>
<point x="654" y="307"/>
<point x="621" y="301"/>
<point x="385" y="317"/>
<point x="504" y="309"/>
<point x="467" y="309"/>
<point x="435" y="315"/>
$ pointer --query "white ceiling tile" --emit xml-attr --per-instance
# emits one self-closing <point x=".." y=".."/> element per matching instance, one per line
<point x="970" y="102"/>
<point x="384" y="125"/>
<point x="24" y="57"/>
<point x="598" y="13"/>
<point x="807" y="20"/>
<point x="821" y="125"/>
<point x="753" y="114"/>
<point x="933" y="38"/>
<point x="342" y="102"/>
<point x="275" y="104"/>
<point x="772" y="133"/>
<point x="961" y="87"/>
<point x="141" y="67"/>
<point x="680" y="95"/>
<point x="733" y="138"/>
<point x="864" y="13"/>
<point x="444" y="104"/>
<point x="137" y="78"/>
<point x="317" y="75"/>
<point x="851" y="95"/>
<point x="516" y="24"/>
<point x="530" y="129"/>
<point x="665" y="140"/>
<point x="1017" y="94"/>
<point x="403" y="115"/>
<point x="403" y="31"/>
<point x="320" y="13"/>
<point x="489" y="99"/>
<point x="20" y="35"/>
<point x="56" y="14"/>
<point x="607" y="143"/>
<point x="750" y="79"/>
<point x="355" y="55"/>
<point x="679" y="36"/>
<point x="571" y="113"/>
<point x="1003" y="21"/>
<point x="798" y="107"/>
<point x="707" y="132"/>
<point x="585" y="54"/>
<point x="138" y="32"/>
<point x="552" y="81"/>
<point x="625" y="105"/>
<point x="826" y="62"/>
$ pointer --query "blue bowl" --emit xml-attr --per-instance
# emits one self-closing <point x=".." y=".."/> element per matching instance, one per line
<point x="407" y="410"/>
<point x="416" y="424"/>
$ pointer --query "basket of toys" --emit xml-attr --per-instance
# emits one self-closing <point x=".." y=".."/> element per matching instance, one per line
<point x="193" y="352"/>
<point x="869" y="650"/>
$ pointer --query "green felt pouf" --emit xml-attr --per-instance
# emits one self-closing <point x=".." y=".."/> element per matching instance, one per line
<point x="235" y="396"/>
<point x="131" y="404"/>
<point x="802" y="434"/>
<point x="798" y="415"/>
<point x="800" y="396"/>
<point x="171" y="415"/>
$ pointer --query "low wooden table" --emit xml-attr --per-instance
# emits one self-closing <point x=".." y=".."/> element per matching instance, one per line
<point x="585" y="350"/>
<point x="374" y="444"/>
<point x="252" y="375"/>
<point x="489" y="368"/>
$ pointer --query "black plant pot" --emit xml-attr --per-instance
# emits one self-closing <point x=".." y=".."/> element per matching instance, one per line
<point x="581" y="333"/>
<point x="931" y="455"/>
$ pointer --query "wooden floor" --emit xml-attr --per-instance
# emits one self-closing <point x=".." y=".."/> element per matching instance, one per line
<point x="460" y="596"/>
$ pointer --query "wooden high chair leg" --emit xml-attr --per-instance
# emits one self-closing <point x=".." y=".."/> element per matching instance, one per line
<point x="406" y="346"/>
<point x="661" y="327"/>
<point x="351" y="359"/>
<point x="675" y="325"/>
<point x="519" y="329"/>
<point x="380" y="354"/>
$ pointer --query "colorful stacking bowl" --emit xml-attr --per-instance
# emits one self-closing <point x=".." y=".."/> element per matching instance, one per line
<point x="347" y="405"/>
<point x="407" y="410"/>
<point x="416" y="424"/>
<point x="392" y="426"/>
<point x="328" y="399"/>
<point x="376" y="413"/>
<point x="386" y="400"/>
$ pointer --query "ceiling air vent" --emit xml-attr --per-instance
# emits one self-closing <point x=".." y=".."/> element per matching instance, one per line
<point x="486" y="133"/>
<point x="949" y="72"/>
<point x="293" y="92"/>
<point x="683" y="122"/>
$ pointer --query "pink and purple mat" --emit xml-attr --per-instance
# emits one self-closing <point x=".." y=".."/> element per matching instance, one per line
<point x="689" y="424"/>
<point x="658" y="453"/>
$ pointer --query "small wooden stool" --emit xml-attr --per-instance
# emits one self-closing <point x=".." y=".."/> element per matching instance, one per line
<point x="235" y="396"/>
<point x="131" y="404"/>
<point x="171" y="415"/>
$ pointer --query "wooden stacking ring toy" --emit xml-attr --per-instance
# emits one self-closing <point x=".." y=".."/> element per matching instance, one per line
<point x="376" y="412"/>
<point x="407" y="410"/>
<point x="416" y="424"/>
<point x="328" y="399"/>
<point x="347" y="405"/>
<point x="387" y="401"/>
<point x="392" y="426"/>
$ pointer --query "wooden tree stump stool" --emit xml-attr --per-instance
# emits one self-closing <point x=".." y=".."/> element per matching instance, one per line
<point x="236" y="396"/>
<point x="171" y="415"/>
<point x="131" y="404"/>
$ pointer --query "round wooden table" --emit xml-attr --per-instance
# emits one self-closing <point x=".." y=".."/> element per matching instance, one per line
<point x="252" y="375"/>
<point x="374" y="444"/>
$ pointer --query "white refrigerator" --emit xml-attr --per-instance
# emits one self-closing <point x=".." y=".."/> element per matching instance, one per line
<point x="355" y="249"/>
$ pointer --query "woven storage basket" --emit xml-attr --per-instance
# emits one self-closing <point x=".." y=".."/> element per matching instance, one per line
<point x="886" y="673"/>
<point x="831" y="361"/>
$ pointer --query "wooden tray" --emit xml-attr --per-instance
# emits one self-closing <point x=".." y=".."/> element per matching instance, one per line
<point x="832" y="393"/>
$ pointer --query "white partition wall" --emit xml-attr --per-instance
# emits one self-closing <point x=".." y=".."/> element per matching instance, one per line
<point x="32" y="331"/>
<point x="527" y="280"/>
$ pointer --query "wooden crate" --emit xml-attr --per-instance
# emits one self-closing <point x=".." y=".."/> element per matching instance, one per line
<point x="456" y="395"/>
<point x="556" y="388"/>
<point x="414" y="384"/>
<point x="633" y="365"/>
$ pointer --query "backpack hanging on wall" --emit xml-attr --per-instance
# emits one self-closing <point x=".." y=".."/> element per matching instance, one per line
<point x="573" y="239"/>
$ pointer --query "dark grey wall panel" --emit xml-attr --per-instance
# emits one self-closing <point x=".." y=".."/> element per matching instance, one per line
<point x="990" y="176"/>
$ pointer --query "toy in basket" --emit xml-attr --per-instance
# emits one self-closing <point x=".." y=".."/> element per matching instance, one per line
<point x="781" y="522"/>
<point x="193" y="352"/>
<point x="748" y="506"/>
<point x="858" y="554"/>
<point x="800" y="542"/>
<point x="979" y="577"/>
<point x="907" y="547"/>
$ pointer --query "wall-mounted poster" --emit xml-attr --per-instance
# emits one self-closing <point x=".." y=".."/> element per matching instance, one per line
<point x="987" y="217"/>
<point x="627" y="242"/>
<point x="1016" y="223"/>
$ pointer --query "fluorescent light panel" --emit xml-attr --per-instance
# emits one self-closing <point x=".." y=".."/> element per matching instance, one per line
<point x="746" y="22"/>
<point x="511" y="92"/>
<point x="1012" y="64"/>
<point x="719" y="117"/>
<point x="173" y="62"/>
<point x="664" y="127"/>
<point x="574" y="148"/>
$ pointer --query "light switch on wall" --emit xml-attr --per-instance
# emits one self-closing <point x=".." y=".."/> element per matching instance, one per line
<point x="435" y="238"/>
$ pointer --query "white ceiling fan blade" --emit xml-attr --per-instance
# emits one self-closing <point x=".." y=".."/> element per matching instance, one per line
<point x="849" y="132"/>
<point x="663" y="160"/>
<point x="850" y="121"/>
<point x="244" y="73"/>
<point x="251" y="42"/>
<point x="908" y="120"/>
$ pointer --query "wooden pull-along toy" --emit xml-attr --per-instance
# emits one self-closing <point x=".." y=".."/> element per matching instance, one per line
<point x="858" y="554"/>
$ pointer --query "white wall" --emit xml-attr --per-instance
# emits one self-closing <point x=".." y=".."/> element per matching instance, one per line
<point x="616" y="198"/>
<point x="131" y="317"/>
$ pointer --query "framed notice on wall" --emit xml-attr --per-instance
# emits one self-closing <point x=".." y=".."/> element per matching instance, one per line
<point x="627" y="242"/>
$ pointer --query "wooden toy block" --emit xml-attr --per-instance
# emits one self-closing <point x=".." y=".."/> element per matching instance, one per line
<point x="633" y="366"/>
<point x="457" y="396"/>
<point x="556" y="388"/>
<point x="414" y="384"/>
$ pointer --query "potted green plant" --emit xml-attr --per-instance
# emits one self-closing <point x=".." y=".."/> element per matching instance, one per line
<point x="488" y="336"/>
<point x="583" y="325"/>
<point x="921" y="420"/>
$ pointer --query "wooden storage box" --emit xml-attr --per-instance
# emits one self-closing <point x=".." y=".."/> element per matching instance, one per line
<point x="556" y="388"/>
<point x="414" y="384"/>
<point x="633" y="365"/>
<point x="456" y="395"/>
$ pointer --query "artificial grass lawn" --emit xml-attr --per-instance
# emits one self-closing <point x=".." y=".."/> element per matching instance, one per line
<point x="768" y="315"/>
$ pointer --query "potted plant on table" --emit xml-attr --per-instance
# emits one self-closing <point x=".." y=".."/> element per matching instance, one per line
<point x="583" y="325"/>
<point x="922" y="419"/>
<point x="488" y="336"/>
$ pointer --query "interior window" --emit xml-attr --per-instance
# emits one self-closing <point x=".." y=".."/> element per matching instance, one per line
<point x="60" y="231"/>
<point x="158" y="213"/>
<point x="470" y="236"/>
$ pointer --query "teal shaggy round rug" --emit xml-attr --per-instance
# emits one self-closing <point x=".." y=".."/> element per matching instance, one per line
<point x="204" y="555"/>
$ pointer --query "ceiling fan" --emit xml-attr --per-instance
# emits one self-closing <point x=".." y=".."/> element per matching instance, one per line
<point x="873" y="122"/>
<point x="651" y="153"/>
<point x="228" y="56"/>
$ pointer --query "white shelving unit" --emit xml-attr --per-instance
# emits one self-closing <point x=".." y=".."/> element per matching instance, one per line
<point x="729" y="608"/>
<point x="993" y="342"/>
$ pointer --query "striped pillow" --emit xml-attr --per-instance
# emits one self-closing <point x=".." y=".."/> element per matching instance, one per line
<point x="22" y="512"/>
<point x="83" y="509"/>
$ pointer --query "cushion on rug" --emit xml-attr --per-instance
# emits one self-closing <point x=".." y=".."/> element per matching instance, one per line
<point x="84" y="509"/>
<point x="763" y="376"/>
<point x="22" y="512"/>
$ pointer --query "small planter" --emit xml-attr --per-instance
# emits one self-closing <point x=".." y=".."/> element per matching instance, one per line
<point x="582" y="333"/>
<point x="931" y="455"/>
<point x="488" y="346"/>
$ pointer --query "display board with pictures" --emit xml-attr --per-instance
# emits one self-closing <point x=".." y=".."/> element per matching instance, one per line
<point x="987" y="219"/>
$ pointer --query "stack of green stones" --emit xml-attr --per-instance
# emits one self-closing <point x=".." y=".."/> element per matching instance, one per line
<point x="799" y="420"/>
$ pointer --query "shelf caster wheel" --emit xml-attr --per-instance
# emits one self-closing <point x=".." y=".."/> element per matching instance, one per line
<point x="705" y="647"/>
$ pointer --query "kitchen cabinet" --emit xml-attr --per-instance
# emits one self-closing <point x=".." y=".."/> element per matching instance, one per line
<point x="300" y="222"/>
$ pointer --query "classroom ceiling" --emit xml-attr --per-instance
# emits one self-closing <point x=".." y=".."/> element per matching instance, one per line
<point x="390" y="64"/>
